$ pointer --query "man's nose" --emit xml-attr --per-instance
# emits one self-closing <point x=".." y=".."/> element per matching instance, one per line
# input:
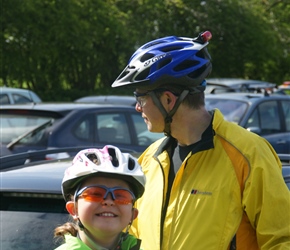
<point x="138" y="107"/>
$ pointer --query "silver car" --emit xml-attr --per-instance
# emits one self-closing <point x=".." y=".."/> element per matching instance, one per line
<point x="17" y="96"/>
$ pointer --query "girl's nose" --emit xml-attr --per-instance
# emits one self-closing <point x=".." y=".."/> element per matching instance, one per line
<point x="108" y="200"/>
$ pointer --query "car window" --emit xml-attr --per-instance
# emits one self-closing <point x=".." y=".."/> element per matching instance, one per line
<point x="269" y="116"/>
<point x="113" y="128"/>
<point x="286" y="111"/>
<point x="254" y="120"/>
<point x="266" y="118"/>
<point x="108" y="128"/>
<point x="145" y="137"/>
<point x="82" y="130"/>
<point x="13" y="125"/>
<point x="231" y="109"/>
<point x="37" y="135"/>
<point x="20" y="99"/>
<point x="287" y="181"/>
<point x="4" y="99"/>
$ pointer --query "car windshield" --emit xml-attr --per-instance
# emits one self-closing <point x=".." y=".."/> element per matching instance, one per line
<point x="232" y="110"/>
<point x="13" y="125"/>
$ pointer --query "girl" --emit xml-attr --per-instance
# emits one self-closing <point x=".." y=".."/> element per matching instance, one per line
<point x="100" y="189"/>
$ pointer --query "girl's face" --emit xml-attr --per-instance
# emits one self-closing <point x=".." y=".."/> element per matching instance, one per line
<point x="103" y="219"/>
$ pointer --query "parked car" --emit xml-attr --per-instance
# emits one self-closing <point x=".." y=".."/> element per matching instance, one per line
<point x="268" y="116"/>
<point x="17" y="95"/>
<point x="229" y="85"/>
<point x="53" y="125"/>
<point x="31" y="203"/>
<point x="285" y="159"/>
<point x="283" y="89"/>
<point x="109" y="99"/>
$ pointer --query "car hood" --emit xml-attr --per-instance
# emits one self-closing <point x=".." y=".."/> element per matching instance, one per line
<point x="41" y="178"/>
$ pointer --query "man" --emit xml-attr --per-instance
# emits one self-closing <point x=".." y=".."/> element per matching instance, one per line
<point x="211" y="184"/>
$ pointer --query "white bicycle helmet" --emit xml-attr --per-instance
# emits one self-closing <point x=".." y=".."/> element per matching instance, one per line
<point x="110" y="162"/>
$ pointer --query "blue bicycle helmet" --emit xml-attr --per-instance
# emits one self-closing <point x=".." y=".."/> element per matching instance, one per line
<point x="170" y="60"/>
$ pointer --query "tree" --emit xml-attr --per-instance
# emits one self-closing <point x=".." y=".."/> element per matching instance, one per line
<point x="59" y="46"/>
<point x="68" y="48"/>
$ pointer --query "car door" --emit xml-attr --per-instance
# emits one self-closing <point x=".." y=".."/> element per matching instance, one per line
<point x="115" y="127"/>
<point x="125" y="129"/>
<point x="270" y="119"/>
<point x="89" y="128"/>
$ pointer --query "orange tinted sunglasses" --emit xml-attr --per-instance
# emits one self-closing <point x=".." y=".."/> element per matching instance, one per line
<point x="99" y="193"/>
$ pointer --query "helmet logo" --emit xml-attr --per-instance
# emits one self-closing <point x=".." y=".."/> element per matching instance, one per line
<point x="153" y="60"/>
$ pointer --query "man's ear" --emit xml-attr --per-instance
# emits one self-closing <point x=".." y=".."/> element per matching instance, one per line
<point x="71" y="208"/>
<point x="170" y="98"/>
<point x="135" y="212"/>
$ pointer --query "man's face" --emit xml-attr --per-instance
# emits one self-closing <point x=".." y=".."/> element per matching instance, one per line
<point x="150" y="112"/>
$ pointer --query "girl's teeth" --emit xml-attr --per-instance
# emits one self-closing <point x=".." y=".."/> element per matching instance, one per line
<point x="107" y="214"/>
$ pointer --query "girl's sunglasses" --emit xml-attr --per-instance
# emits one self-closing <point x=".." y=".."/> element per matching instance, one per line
<point x="99" y="193"/>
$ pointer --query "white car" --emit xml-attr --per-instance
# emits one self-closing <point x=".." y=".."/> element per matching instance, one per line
<point x="17" y="96"/>
<point x="228" y="85"/>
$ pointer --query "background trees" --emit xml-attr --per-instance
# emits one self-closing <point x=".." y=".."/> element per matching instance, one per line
<point x="64" y="49"/>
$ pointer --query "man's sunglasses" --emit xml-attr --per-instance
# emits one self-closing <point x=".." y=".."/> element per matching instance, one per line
<point x="99" y="193"/>
<point x="141" y="98"/>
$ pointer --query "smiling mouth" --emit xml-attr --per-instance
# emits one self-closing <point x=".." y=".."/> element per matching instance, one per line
<point x="107" y="215"/>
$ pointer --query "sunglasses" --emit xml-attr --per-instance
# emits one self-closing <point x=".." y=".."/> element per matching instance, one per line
<point x="140" y="98"/>
<point x="99" y="193"/>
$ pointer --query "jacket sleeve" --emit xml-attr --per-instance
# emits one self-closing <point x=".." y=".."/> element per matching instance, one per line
<point x="266" y="201"/>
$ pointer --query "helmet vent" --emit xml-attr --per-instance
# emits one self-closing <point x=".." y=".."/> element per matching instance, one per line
<point x="185" y="65"/>
<point x="164" y="63"/>
<point x="200" y="54"/>
<point x="131" y="164"/>
<point x="114" y="158"/>
<point x="146" y="57"/>
<point x="151" y="44"/>
<point x="171" y="48"/>
<point x="143" y="75"/>
<point x="198" y="72"/>
<point x="94" y="158"/>
<point x="124" y="73"/>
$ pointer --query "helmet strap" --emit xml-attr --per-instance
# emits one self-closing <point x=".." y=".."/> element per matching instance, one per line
<point x="80" y="224"/>
<point x="168" y="115"/>
<point x="126" y="233"/>
<point x="90" y="238"/>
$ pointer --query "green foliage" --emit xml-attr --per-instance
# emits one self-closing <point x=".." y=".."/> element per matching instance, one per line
<point x="66" y="49"/>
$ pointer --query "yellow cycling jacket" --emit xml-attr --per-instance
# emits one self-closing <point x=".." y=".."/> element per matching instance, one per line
<point x="234" y="188"/>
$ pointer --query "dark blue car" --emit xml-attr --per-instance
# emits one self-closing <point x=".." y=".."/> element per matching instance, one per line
<point x="40" y="126"/>
<point x="265" y="115"/>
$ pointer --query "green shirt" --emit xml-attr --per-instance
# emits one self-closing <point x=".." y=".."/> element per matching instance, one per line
<point x="74" y="243"/>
